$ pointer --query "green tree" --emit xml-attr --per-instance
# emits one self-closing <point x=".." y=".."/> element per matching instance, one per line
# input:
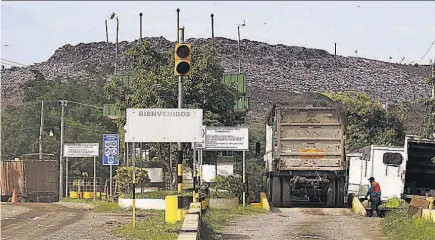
<point x="368" y="122"/>
<point x="20" y="124"/>
<point x="155" y="86"/>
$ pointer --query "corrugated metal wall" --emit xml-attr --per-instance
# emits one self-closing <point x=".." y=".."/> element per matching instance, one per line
<point x="41" y="176"/>
<point x="29" y="176"/>
<point x="12" y="177"/>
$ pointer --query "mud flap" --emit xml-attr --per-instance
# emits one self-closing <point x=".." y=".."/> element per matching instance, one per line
<point x="276" y="192"/>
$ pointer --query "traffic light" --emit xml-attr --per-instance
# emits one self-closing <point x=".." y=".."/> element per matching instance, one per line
<point x="183" y="54"/>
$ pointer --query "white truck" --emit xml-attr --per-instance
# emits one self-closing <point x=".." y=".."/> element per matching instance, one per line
<point x="385" y="164"/>
<point x="401" y="171"/>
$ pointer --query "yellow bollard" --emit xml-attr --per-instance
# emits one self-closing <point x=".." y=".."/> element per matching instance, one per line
<point x="431" y="202"/>
<point x="171" y="209"/>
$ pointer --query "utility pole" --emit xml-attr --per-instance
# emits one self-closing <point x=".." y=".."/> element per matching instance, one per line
<point x="41" y="130"/>
<point x="433" y="79"/>
<point x="140" y="16"/>
<point x="212" y="30"/>
<point x="63" y="104"/>
<point x="335" y="54"/>
<point x="107" y="33"/>
<point x="117" y="44"/>
<point x="238" y="46"/>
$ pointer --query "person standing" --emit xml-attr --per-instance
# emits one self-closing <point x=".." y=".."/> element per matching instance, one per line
<point x="375" y="196"/>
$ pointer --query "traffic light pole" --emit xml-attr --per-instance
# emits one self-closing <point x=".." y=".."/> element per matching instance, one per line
<point x="180" y="105"/>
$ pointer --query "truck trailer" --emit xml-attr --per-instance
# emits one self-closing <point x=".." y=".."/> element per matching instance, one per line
<point x="305" y="151"/>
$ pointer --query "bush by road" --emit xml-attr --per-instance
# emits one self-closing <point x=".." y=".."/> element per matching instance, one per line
<point x="399" y="226"/>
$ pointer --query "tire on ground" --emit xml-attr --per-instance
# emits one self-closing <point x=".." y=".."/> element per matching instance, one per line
<point x="286" y="192"/>
<point x="276" y="192"/>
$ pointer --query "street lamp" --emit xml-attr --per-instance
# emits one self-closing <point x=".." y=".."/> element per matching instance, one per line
<point x="238" y="45"/>
<point x="112" y="16"/>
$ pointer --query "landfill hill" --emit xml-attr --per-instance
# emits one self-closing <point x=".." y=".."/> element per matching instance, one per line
<point x="273" y="71"/>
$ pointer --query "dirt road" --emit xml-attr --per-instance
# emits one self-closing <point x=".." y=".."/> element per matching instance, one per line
<point x="308" y="223"/>
<point x="43" y="221"/>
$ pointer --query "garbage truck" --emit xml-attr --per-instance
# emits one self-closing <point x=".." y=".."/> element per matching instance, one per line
<point x="305" y="152"/>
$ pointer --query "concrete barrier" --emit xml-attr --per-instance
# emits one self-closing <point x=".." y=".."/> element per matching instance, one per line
<point x="357" y="207"/>
<point x="428" y="214"/>
<point x="143" y="203"/>
<point x="264" y="202"/>
<point x="190" y="230"/>
<point x="223" y="203"/>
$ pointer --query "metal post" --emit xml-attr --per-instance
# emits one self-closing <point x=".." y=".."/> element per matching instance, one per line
<point x="200" y="168"/>
<point x="195" y="182"/>
<point x="111" y="180"/>
<point x="134" y="186"/>
<point x="140" y="16"/>
<point x="212" y="30"/>
<point x="178" y="25"/>
<point x="238" y="49"/>
<point x="127" y="155"/>
<point x="66" y="177"/>
<point x="335" y="53"/>
<point x="61" y="151"/>
<point x="117" y="44"/>
<point x="41" y="130"/>
<point x="180" y="105"/>
<point x="95" y="178"/>
<point x="244" y="180"/>
<point x="107" y="33"/>
<point x="433" y="80"/>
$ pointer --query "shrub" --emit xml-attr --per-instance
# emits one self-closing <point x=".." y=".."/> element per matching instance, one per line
<point x="398" y="225"/>
<point x="228" y="186"/>
<point x="124" y="178"/>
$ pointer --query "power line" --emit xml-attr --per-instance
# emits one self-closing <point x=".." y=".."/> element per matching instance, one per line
<point x="24" y="65"/>
<point x="427" y="52"/>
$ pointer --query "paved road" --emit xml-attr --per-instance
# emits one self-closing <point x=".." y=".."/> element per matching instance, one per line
<point x="55" y="221"/>
<point x="305" y="223"/>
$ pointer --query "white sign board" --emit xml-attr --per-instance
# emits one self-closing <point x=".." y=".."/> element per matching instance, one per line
<point x="201" y="144"/>
<point x="163" y="125"/>
<point x="81" y="149"/>
<point x="226" y="139"/>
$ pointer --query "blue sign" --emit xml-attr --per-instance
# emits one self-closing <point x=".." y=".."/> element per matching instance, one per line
<point x="111" y="149"/>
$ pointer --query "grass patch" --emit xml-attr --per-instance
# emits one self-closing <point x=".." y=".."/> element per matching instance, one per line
<point x="156" y="194"/>
<point x="153" y="228"/>
<point x="100" y="206"/>
<point x="399" y="226"/>
<point x="216" y="219"/>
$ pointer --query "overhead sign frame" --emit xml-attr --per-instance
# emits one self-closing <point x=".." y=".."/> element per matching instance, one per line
<point x="163" y="125"/>
<point x="83" y="150"/>
<point x="111" y="149"/>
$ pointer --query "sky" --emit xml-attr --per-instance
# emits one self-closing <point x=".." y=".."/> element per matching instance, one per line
<point x="32" y="31"/>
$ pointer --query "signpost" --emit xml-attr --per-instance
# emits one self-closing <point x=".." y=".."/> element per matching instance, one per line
<point x="163" y="125"/>
<point x="227" y="139"/>
<point x="111" y="154"/>
<point x="84" y="150"/>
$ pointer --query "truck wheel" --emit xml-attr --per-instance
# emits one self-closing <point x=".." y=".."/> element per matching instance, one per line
<point x="340" y="192"/>
<point x="268" y="188"/>
<point x="276" y="192"/>
<point x="331" y="194"/>
<point x="286" y="192"/>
